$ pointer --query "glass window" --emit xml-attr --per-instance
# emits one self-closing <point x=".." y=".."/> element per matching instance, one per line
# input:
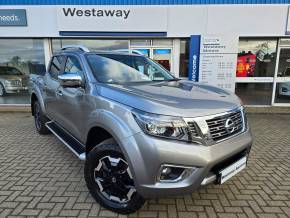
<point x="19" y="60"/>
<point x="162" y="42"/>
<point x="183" y="60"/>
<point x="72" y="65"/>
<point x="55" y="66"/>
<point x="140" y="42"/>
<point x="126" y="69"/>
<point x="284" y="63"/>
<point x="163" y="57"/>
<point x="256" y="58"/>
<point x="255" y="93"/>
<point x="92" y="44"/>
<point x="282" y="92"/>
<point x="144" y="51"/>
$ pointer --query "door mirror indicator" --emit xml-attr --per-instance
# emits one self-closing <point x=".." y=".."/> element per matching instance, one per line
<point x="70" y="80"/>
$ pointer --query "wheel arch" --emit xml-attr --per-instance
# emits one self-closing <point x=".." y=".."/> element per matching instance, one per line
<point x="111" y="125"/>
<point x="104" y="124"/>
<point x="95" y="136"/>
<point x="36" y="97"/>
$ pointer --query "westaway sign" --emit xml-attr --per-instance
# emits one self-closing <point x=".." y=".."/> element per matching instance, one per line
<point x="124" y="14"/>
<point x="111" y="19"/>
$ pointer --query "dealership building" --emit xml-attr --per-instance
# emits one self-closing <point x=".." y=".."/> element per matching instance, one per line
<point x="242" y="46"/>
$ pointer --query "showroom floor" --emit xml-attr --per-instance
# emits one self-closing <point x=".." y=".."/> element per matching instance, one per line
<point x="39" y="176"/>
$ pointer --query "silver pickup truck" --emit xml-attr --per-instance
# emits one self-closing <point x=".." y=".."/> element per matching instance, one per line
<point x="142" y="132"/>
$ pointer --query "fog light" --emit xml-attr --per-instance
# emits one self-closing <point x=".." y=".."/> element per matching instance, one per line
<point x="165" y="171"/>
<point x="174" y="173"/>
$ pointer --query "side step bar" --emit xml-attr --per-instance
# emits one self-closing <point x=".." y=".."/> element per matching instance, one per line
<point x="74" y="145"/>
<point x="211" y="178"/>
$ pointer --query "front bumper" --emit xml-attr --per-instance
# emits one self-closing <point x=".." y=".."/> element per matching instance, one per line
<point x="147" y="154"/>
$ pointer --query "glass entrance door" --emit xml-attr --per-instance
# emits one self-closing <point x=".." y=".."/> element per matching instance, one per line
<point x="282" y="78"/>
<point x="159" y="50"/>
<point x="163" y="56"/>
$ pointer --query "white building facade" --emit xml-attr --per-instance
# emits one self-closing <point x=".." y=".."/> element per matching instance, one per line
<point x="241" y="47"/>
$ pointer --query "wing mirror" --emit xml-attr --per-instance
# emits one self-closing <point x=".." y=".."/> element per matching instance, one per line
<point x="70" y="80"/>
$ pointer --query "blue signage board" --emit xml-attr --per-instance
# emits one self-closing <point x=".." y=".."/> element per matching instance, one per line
<point x="13" y="17"/>
<point x="161" y="51"/>
<point x="194" y="55"/>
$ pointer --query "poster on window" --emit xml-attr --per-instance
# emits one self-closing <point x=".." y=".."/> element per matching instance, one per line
<point x="218" y="58"/>
<point x="256" y="58"/>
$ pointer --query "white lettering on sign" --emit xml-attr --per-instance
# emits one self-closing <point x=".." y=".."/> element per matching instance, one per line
<point x="12" y="17"/>
<point x="194" y="67"/>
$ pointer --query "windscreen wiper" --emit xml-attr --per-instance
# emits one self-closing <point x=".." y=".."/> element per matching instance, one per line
<point x="169" y="80"/>
<point x="175" y="79"/>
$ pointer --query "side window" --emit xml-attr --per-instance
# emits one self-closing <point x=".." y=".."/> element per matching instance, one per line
<point x="55" y="67"/>
<point x="73" y="65"/>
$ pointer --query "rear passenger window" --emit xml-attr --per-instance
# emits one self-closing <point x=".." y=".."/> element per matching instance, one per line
<point x="55" y="67"/>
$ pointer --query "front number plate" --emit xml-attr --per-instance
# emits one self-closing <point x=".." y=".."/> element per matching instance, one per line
<point x="233" y="169"/>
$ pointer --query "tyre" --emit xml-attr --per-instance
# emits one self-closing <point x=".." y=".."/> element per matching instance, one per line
<point x="109" y="179"/>
<point x="2" y="90"/>
<point x="40" y="119"/>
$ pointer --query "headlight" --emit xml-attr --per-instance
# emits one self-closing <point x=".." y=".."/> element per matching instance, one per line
<point x="162" y="126"/>
<point x="13" y="82"/>
<point x="7" y="82"/>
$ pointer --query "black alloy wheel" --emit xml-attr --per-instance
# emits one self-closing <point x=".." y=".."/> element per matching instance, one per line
<point x="40" y="119"/>
<point x="110" y="180"/>
<point x="37" y="119"/>
<point x="114" y="179"/>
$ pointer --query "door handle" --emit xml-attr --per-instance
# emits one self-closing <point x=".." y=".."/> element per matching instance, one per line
<point x="59" y="92"/>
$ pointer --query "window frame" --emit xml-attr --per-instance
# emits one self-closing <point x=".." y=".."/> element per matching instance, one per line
<point x="279" y="80"/>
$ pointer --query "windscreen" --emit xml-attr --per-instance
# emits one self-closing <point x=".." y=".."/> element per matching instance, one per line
<point x="9" y="71"/>
<point x="115" y="68"/>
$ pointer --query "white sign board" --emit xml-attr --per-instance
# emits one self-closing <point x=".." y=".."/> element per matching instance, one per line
<point x="218" y="60"/>
<point x="288" y="22"/>
<point x="112" y="18"/>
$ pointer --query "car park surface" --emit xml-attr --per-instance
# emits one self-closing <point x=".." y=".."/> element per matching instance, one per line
<point x="41" y="177"/>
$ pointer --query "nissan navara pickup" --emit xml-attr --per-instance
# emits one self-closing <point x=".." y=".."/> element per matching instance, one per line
<point x="141" y="131"/>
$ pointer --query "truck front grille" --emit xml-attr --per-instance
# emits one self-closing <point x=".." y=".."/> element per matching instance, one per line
<point x="222" y="127"/>
<point x="212" y="129"/>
